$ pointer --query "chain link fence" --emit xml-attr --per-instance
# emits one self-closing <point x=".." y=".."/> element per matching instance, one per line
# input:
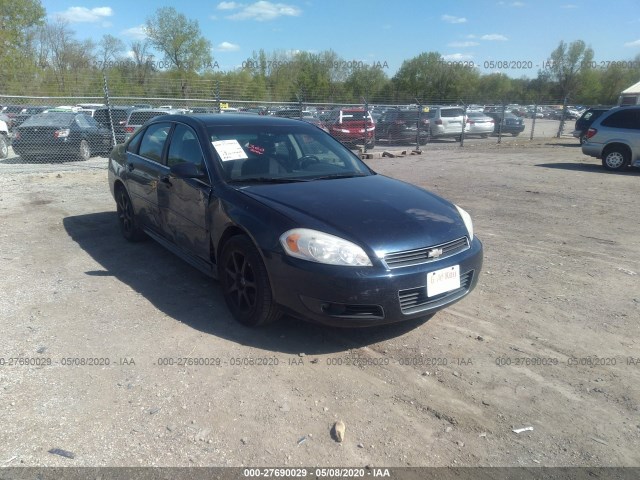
<point x="80" y="131"/>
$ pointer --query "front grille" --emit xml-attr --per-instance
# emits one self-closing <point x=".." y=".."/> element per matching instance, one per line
<point x="415" y="299"/>
<point x="421" y="255"/>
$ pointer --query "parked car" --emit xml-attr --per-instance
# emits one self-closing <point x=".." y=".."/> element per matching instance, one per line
<point x="479" y="123"/>
<point x="139" y="116"/>
<point x="26" y="113"/>
<point x="352" y="126"/>
<point x="509" y="123"/>
<point x="61" y="134"/>
<point x="584" y="122"/>
<point x="397" y="125"/>
<point x="10" y="111"/>
<point x="445" y="122"/>
<point x="614" y="137"/>
<point x="5" y="139"/>
<point x="119" y="116"/>
<point x="315" y="121"/>
<point x="297" y="223"/>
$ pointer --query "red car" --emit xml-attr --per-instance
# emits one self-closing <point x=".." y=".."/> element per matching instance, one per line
<point x="352" y="126"/>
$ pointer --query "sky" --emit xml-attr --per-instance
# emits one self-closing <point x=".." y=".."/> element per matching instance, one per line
<point x="517" y="36"/>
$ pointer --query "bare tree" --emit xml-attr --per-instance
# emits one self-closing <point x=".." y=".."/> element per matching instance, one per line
<point x="110" y="48"/>
<point x="142" y="60"/>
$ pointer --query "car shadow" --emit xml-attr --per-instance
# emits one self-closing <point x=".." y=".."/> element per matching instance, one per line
<point x="575" y="144"/>
<point x="589" y="167"/>
<point x="188" y="296"/>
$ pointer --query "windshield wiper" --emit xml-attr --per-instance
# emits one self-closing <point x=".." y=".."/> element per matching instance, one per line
<point x="268" y="180"/>
<point x="340" y="175"/>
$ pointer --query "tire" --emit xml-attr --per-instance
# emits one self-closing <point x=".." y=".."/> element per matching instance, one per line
<point x="4" y="147"/>
<point x="615" y="158"/>
<point x="129" y="225"/>
<point x="84" y="151"/>
<point x="245" y="283"/>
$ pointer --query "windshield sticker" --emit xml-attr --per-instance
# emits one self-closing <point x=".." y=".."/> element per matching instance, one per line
<point x="229" y="150"/>
<point x="256" y="149"/>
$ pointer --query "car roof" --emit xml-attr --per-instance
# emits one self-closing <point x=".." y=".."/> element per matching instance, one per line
<point x="230" y="119"/>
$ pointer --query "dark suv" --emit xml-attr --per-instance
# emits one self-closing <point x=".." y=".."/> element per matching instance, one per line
<point x="119" y="117"/>
<point x="585" y="121"/>
<point x="396" y="125"/>
<point x="614" y="137"/>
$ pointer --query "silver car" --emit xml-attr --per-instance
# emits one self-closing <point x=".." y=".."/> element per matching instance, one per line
<point x="614" y="137"/>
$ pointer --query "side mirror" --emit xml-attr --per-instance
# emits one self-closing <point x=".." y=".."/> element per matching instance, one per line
<point x="186" y="170"/>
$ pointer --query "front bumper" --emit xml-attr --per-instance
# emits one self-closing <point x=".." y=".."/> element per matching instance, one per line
<point x="347" y="296"/>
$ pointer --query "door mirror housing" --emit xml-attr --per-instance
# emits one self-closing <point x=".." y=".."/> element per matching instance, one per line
<point x="187" y="170"/>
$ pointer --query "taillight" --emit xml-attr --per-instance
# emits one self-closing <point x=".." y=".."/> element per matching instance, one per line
<point x="591" y="132"/>
<point x="439" y="122"/>
<point x="64" y="133"/>
<point x="129" y="129"/>
<point x="471" y="122"/>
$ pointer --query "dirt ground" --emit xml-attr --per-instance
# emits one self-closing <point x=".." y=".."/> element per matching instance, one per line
<point x="548" y="340"/>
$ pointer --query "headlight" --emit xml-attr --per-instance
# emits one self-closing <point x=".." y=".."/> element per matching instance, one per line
<point x="466" y="218"/>
<point x="323" y="248"/>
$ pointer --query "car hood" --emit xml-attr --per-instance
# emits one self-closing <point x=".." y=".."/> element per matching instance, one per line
<point x="377" y="212"/>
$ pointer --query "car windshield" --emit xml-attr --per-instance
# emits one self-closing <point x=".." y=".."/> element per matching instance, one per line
<point x="52" y="119"/>
<point x="272" y="154"/>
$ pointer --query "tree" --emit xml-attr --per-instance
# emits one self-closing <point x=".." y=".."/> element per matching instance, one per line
<point x="63" y="54"/>
<point x="568" y="64"/>
<point x="17" y="21"/>
<point x="109" y="50"/>
<point x="179" y="40"/>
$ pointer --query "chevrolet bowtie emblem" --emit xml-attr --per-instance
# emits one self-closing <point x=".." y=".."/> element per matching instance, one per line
<point x="434" y="253"/>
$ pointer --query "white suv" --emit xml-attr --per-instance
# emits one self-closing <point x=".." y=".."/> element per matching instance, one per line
<point x="615" y="138"/>
<point x="446" y="121"/>
<point x="4" y="139"/>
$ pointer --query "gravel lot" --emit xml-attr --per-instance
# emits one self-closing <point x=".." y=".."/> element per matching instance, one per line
<point x="548" y="340"/>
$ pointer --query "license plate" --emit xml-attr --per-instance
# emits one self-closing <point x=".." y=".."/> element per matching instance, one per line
<point x="443" y="280"/>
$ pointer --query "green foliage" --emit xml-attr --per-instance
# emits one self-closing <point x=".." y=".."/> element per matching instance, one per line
<point x="180" y="41"/>
<point x="46" y="59"/>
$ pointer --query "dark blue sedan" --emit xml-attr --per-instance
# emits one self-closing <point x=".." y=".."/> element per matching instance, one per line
<point x="291" y="221"/>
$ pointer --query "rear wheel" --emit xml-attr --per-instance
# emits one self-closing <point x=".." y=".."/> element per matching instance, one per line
<point x="615" y="158"/>
<point x="129" y="225"/>
<point x="84" y="152"/>
<point x="245" y="283"/>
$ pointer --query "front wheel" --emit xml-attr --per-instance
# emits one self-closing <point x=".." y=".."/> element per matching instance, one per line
<point x="245" y="283"/>
<point x="615" y="159"/>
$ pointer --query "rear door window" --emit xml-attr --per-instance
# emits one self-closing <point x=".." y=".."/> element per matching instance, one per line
<point x="153" y="140"/>
<point x="628" y="119"/>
